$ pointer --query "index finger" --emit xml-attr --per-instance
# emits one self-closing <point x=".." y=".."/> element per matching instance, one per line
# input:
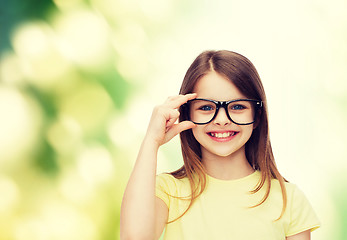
<point x="180" y="100"/>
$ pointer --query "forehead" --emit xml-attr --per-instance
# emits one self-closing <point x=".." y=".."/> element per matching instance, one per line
<point x="217" y="87"/>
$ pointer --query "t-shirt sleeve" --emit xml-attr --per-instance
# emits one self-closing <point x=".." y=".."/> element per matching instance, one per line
<point x="302" y="215"/>
<point x="162" y="190"/>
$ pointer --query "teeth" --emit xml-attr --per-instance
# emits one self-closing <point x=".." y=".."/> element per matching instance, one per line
<point x="222" y="135"/>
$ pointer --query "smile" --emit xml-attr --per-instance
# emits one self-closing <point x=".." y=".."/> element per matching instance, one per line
<point x="222" y="135"/>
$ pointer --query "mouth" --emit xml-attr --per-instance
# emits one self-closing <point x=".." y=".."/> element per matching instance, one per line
<point x="222" y="136"/>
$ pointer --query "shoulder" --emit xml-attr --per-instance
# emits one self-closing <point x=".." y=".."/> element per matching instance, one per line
<point x="291" y="188"/>
<point x="297" y="200"/>
<point x="169" y="182"/>
<point x="295" y="196"/>
<point x="294" y="193"/>
<point x="166" y="177"/>
<point x="169" y="188"/>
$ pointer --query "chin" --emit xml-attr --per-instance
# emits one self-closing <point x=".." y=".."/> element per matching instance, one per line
<point x="222" y="152"/>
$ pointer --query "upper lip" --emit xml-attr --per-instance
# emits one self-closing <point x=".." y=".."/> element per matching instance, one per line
<point x="221" y="131"/>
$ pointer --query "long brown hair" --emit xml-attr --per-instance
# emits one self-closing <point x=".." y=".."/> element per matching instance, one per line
<point x="242" y="73"/>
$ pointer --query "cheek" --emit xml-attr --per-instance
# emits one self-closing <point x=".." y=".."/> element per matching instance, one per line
<point x="248" y="131"/>
<point x="198" y="132"/>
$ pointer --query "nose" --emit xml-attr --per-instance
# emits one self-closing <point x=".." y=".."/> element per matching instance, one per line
<point x="221" y="118"/>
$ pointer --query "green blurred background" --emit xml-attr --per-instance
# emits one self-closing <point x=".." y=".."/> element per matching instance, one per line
<point x="79" y="79"/>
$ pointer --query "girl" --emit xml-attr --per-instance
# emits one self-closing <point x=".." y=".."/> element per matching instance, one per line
<point x="229" y="186"/>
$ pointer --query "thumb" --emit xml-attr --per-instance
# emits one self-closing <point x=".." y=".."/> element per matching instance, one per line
<point x="185" y="125"/>
<point x="177" y="128"/>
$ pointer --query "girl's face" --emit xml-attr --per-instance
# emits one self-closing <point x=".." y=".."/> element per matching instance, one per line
<point x="221" y="137"/>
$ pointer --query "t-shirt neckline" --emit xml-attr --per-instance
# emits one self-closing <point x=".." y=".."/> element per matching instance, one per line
<point x="255" y="174"/>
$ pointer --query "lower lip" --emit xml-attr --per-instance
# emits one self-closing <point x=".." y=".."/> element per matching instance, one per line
<point x="227" y="139"/>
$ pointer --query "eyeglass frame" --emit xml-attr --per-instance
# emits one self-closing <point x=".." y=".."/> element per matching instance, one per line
<point x="224" y="104"/>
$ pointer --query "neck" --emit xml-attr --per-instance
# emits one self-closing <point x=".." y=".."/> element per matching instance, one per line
<point x="229" y="167"/>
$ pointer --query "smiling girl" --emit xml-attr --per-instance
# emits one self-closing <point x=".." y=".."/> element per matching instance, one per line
<point x="229" y="186"/>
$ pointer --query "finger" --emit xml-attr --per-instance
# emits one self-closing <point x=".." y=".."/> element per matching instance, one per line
<point x="177" y="128"/>
<point x="177" y="101"/>
<point x="173" y="115"/>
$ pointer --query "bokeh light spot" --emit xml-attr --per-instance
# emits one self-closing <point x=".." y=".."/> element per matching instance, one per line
<point x="19" y="117"/>
<point x="40" y="58"/>
<point x="65" y="135"/>
<point x="88" y="105"/>
<point x="10" y="195"/>
<point x="95" y="165"/>
<point x="84" y="38"/>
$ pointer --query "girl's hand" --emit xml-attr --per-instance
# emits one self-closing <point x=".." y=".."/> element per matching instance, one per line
<point x="162" y="127"/>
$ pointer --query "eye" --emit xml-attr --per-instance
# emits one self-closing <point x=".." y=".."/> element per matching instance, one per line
<point x="206" y="108"/>
<point x="237" y="107"/>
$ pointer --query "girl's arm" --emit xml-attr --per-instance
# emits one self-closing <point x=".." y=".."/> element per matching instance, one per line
<point x="143" y="216"/>
<point x="306" y="235"/>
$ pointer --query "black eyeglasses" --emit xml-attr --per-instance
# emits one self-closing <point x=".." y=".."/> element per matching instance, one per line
<point x="239" y="111"/>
